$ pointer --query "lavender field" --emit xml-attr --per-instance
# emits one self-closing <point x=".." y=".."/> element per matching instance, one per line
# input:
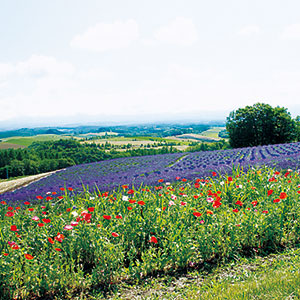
<point x="135" y="171"/>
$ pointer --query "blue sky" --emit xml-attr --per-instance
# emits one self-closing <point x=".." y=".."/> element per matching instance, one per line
<point x="136" y="60"/>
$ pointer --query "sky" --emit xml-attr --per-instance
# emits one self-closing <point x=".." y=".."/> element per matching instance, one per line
<point x="118" y="61"/>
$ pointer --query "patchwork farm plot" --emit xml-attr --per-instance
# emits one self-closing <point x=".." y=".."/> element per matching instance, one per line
<point x="149" y="215"/>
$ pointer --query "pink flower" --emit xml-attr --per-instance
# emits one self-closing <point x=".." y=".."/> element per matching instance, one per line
<point x="114" y="234"/>
<point x="74" y="224"/>
<point x="68" y="227"/>
<point x="171" y="203"/>
<point x="35" y="218"/>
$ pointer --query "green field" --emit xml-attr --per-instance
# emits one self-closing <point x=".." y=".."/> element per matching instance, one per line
<point x="27" y="141"/>
<point x="213" y="132"/>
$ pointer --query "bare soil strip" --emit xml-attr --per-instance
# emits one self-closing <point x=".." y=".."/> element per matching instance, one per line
<point x="12" y="185"/>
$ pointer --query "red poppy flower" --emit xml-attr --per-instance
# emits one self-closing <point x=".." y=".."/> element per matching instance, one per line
<point x="5" y="254"/>
<point x="125" y="186"/>
<point x="214" y="174"/>
<point x="265" y="211"/>
<point x="184" y="179"/>
<point x="197" y="214"/>
<point x="141" y="202"/>
<point x="240" y="203"/>
<point x="91" y="209"/>
<point x="160" y="180"/>
<point x="235" y="210"/>
<point x="60" y="197"/>
<point x="27" y="203"/>
<point x="283" y="195"/>
<point x="31" y="209"/>
<point x="106" y="217"/>
<point x="182" y="203"/>
<point x="3" y="202"/>
<point x="153" y="239"/>
<point x="54" y="193"/>
<point x="49" y="198"/>
<point x="10" y="208"/>
<point x="114" y="234"/>
<point x="62" y="189"/>
<point x="130" y="192"/>
<point x="50" y="240"/>
<point x="217" y="204"/>
<point x="229" y="179"/>
<point x="57" y="249"/>
<point x="129" y="208"/>
<point x="276" y="200"/>
<point x="40" y="224"/>
<point x="132" y="201"/>
<point x="254" y="203"/>
<point x="118" y="217"/>
<point x="28" y="256"/>
<point x="9" y="214"/>
<point x="209" y="212"/>
<point x="39" y="197"/>
<point x="13" y="228"/>
<point x="270" y="192"/>
<point x="70" y="189"/>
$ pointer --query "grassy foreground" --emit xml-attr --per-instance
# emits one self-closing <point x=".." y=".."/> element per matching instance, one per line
<point x="91" y="243"/>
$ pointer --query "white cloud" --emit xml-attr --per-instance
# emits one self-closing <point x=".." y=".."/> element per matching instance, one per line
<point x="249" y="30"/>
<point x="181" y="31"/>
<point x="107" y="36"/>
<point x="291" y="32"/>
<point x="39" y="65"/>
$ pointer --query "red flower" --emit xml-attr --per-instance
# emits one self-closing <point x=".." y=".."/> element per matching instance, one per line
<point x="60" y="197"/>
<point x="254" y="203"/>
<point x="91" y="209"/>
<point x="40" y="224"/>
<point x="68" y="209"/>
<point x="283" y="195"/>
<point x="49" y="198"/>
<point x="13" y="228"/>
<point x="9" y="214"/>
<point x="197" y="214"/>
<point x="5" y="254"/>
<point x="265" y="211"/>
<point x="235" y="210"/>
<point x="125" y="186"/>
<point x="50" y="240"/>
<point x="57" y="249"/>
<point x="39" y="197"/>
<point x="177" y="178"/>
<point x="129" y="208"/>
<point x="3" y="202"/>
<point x="70" y="189"/>
<point x="229" y="179"/>
<point x="118" y="217"/>
<point x="182" y="203"/>
<point x="240" y="203"/>
<point x="130" y="192"/>
<point x="160" y="180"/>
<point x="132" y="201"/>
<point x="214" y="174"/>
<point x="28" y="256"/>
<point x="276" y="200"/>
<point x="31" y="209"/>
<point x="217" y="203"/>
<point x="141" y="202"/>
<point x="184" y="179"/>
<point x="114" y="234"/>
<point x="62" y="189"/>
<point x="27" y="203"/>
<point x="270" y="192"/>
<point x="10" y="208"/>
<point x="209" y="212"/>
<point x="106" y="217"/>
<point x="153" y="239"/>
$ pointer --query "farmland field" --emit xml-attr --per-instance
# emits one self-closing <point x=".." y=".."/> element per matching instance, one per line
<point x="92" y="227"/>
<point x="27" y="141"/>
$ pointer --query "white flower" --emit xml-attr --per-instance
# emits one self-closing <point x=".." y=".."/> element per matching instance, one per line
<point x="222" y="182"/>
<point x="74" y="213"/>
<point x="125" y="198"/>
<point x="173" y="197"/>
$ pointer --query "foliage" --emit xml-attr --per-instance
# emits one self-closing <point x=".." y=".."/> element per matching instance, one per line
<point x="93" y="241"/>
<point x="47" y="156"/>
<point x="260" y="124"/>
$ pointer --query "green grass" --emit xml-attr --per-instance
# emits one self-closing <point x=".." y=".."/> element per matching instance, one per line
<point x="271" y="277"/>
<point x="27" y="141"/>
<point x="213" y="132"/>
<point x="132" y="236"/>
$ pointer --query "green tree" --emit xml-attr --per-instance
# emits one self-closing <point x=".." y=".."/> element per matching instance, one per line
<point x="260" y="124"/>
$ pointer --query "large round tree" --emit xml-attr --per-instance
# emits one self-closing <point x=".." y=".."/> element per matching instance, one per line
<point x="260" y="124"/>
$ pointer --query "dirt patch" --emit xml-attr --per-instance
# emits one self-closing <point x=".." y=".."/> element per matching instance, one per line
<point x="12" y="185"/>
<point x="5" y="145"/>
